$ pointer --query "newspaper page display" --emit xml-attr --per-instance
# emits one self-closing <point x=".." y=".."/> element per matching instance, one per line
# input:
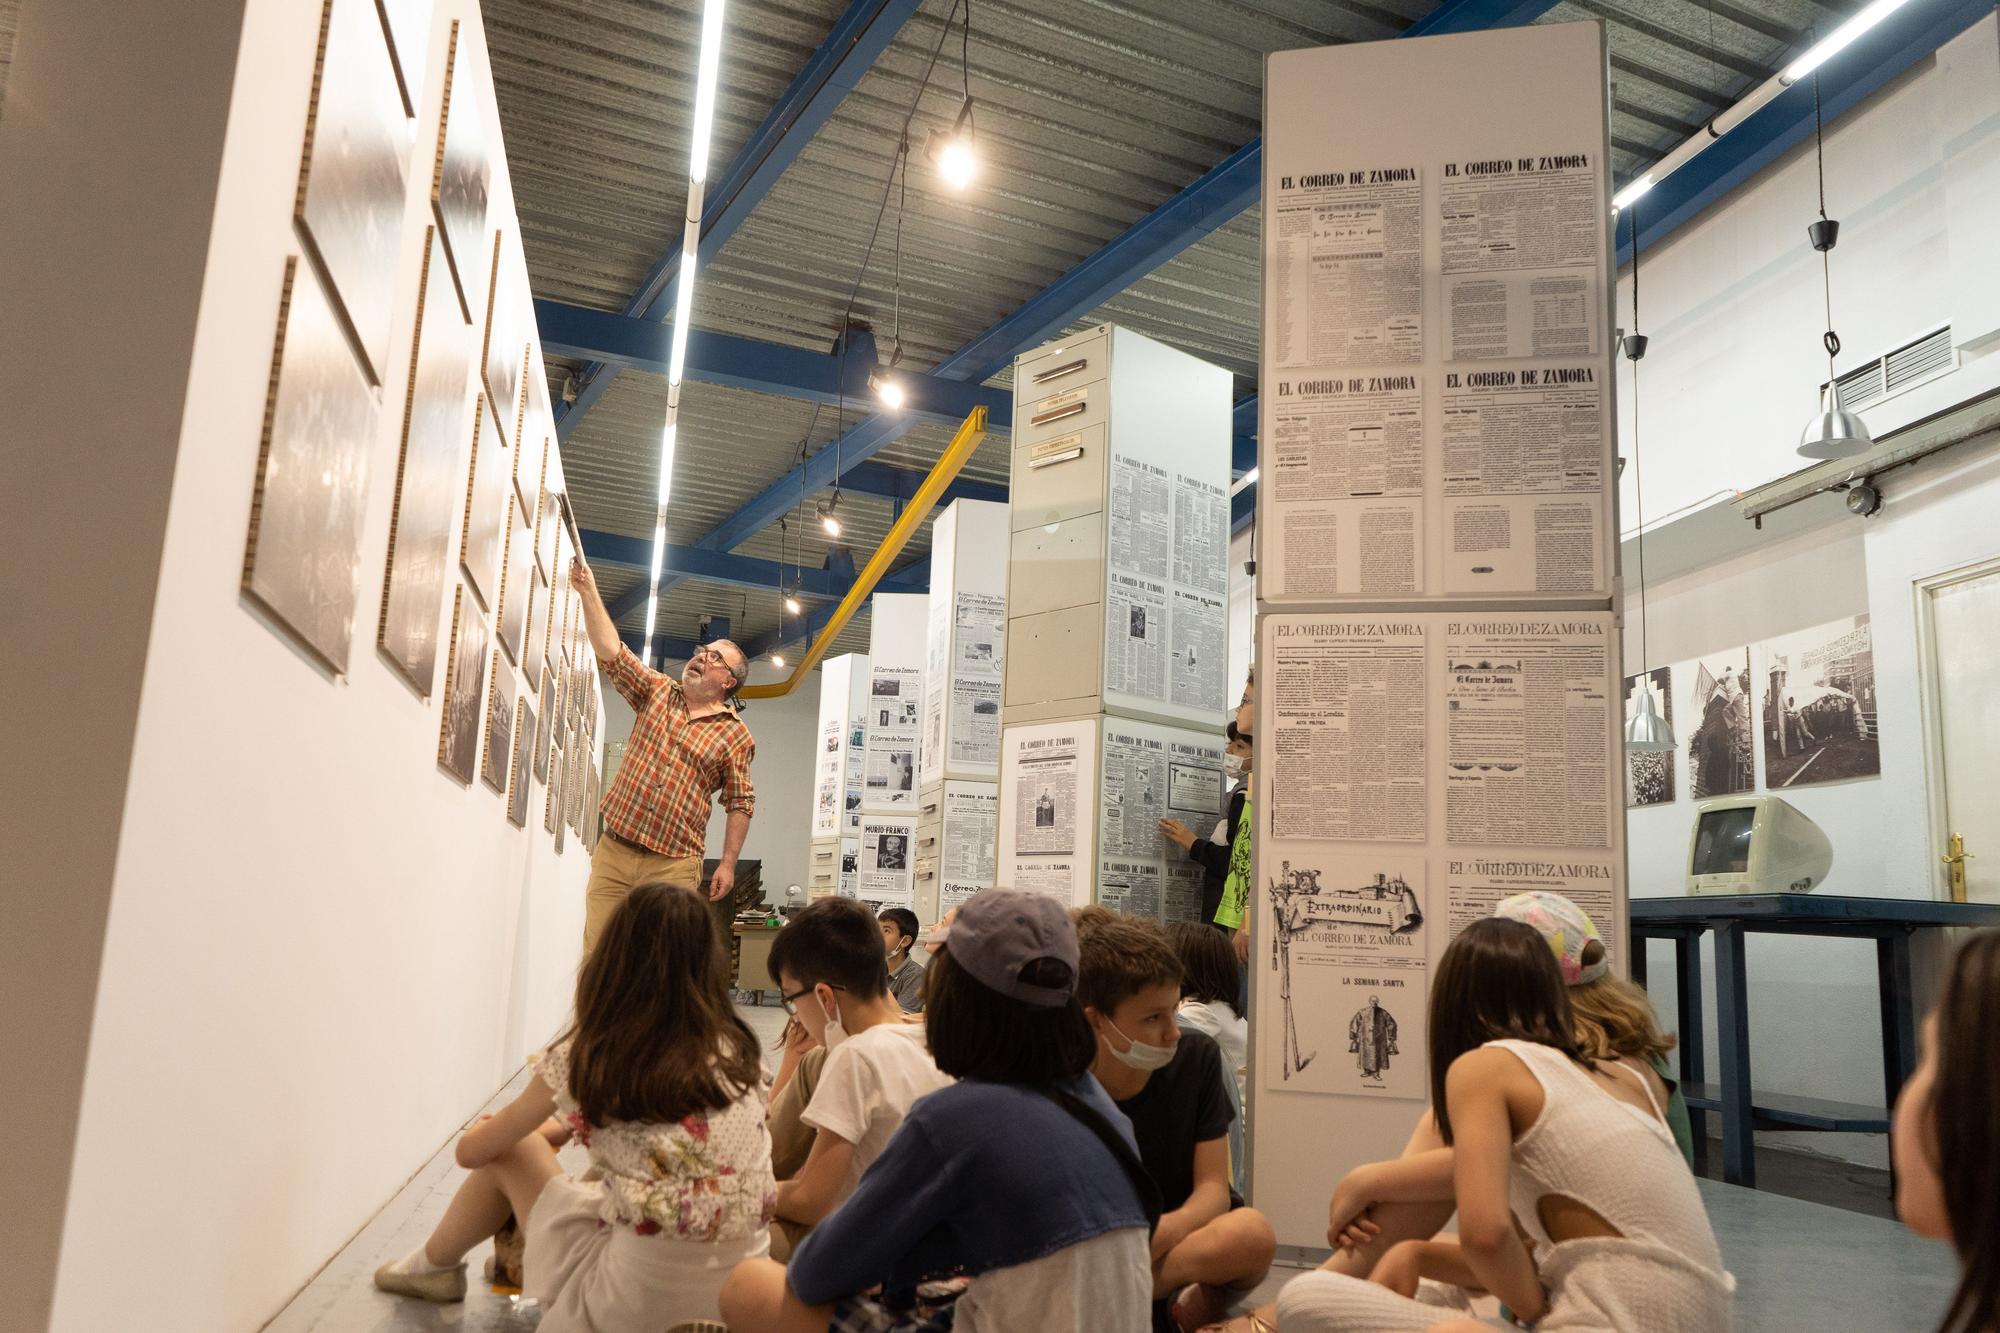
<point x="1347" y="734"/>
<point x="1521" y="245"/>
<point x="1048" y="771"/>
<point x="894" y="698"/>
<point x="1166" y="602"/>
<point x="1349" y="247"/>
<point x="1475" y="885"/>
<point x="965" y="859"/>
<point x="1528" y="721"/>
<point x="828" y="780"/>
<point x="937" y="688"/>
<point x="886" y="873"/>
<point x="1152" y="773"/>
<point x="1347" y="483"/>
<point x="977" y="652"/>
<point x="1524" y="478"/>
<point x="857" y="751"/>
<point x="1349" y="958"/>
<point x="850" y="866"/>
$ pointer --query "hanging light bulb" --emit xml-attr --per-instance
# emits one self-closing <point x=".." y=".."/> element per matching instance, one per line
<point x="887" y="388"/>
<point x="1833" y="432"/>
<point x="792" y="606"/>
<point x="777" y="659"/>
<point x="953" y="152"/>
<point x="828" y="519"/>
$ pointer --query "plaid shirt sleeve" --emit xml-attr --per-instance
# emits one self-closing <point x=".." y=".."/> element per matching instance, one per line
<point x="632" y="678"/>
<point x="739" y="794"/>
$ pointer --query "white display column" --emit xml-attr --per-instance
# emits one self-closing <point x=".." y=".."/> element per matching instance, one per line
<point x="1115" y="694"/>
<point x="1437" y="649"/>
<point x="836" y="817"/>
<point x="958" y="795"/>
<point x="892" y="718"/>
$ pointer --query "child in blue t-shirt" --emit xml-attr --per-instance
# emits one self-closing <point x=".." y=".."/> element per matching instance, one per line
<point x="1014" y="1198"/>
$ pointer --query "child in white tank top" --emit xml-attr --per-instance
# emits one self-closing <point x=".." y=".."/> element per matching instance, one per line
<point x="1577" y="1153"/>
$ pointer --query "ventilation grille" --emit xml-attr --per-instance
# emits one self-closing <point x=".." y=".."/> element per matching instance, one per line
<point x="1901" y="368"/>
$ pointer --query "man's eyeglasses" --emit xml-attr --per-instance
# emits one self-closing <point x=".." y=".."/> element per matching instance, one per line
<point x="791" y="1002"/>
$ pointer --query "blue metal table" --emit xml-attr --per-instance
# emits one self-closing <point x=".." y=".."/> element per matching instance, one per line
<point x="1890" y="922"/>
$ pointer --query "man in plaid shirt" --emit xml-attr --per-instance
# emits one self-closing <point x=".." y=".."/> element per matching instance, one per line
<point x="687" y="744"/>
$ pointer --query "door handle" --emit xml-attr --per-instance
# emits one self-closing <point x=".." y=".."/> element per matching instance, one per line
<point x="1954" y="860"/>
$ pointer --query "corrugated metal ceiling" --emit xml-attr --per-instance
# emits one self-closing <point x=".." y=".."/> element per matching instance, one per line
<point x="1090" y="114"/>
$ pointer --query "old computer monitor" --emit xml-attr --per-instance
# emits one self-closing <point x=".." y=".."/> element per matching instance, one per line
<point x="1755" y="844"/>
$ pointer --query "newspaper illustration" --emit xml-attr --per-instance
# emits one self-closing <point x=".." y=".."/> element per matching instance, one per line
<point x="1349" y="949"/>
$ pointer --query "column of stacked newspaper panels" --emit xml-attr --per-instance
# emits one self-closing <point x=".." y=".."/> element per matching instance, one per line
<point x="1437" y="644"/>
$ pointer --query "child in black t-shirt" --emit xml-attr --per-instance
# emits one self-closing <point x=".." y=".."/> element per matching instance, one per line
<point x="1208" y="1247"/>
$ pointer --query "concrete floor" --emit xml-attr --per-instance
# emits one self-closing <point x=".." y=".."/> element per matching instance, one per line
<point x="1799" y="1266"/>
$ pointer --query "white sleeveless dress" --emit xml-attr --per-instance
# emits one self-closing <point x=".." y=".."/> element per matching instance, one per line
<point x="1662" y="1274"/>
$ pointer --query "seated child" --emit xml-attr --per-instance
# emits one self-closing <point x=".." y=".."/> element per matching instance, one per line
<point x="1575" y="1208"/>
<point x="828" y="964"/>
<point x="1208" y="1247"/>
<point x="1946" y="1148"/>
<point x="664" y="1084"/>
<point x="1211" y="981"/>
<point x="906" y="974"/>
<point x="1021" y="1181"/>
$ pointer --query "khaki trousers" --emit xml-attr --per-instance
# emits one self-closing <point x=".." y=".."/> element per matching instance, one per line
<point x="617" y="868"/>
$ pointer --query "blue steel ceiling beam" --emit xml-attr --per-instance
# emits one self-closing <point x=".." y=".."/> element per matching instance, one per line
<point x="746" y="363"/>
<point x="900" y="483"/>
<point x="1218" y="196"/>
<point x="1850" y="77"/>
<point x="857" y="39"/>
<point x="614" y="551"/>
<point x="808" y="626"/>
<point x="667" y="649"/>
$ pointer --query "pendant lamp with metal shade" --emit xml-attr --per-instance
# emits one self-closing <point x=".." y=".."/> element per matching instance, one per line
<point x="1646" y="732"/>
<point x="1833" y="432"/>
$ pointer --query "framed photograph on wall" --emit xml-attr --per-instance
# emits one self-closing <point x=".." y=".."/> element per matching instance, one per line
<point x="302" y="556"/>
<point x="545" y="728"/>
<point x="419" y="562"/>
<point x="538" y="613"/>
<point x="349" y="206"/>
<point x="522" y="763"/>
<point x="485" y="507"/>
<point x="462" y="172"/>
<point x="1818" y="705"/>
<point x="538" y="425"/>
<point x="408" y="23"/>
<point x="464" y="679"/>
<point x="505" y="348"/>
<point x="499" y="726"/>
<point x="516" y="580"/>
<point x="1714" y="732"/>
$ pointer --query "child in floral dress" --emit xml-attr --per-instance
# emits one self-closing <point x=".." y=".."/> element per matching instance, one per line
<point x="663" y="1084"/>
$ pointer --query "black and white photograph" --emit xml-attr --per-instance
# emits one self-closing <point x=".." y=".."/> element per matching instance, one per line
<point x="533" y="652"/>
<point x="499" y="725"/>
<point x="409" y="26"/>
<point x="1137" y="622"/>
<point x="1715" y="732"/>
<point x="419" y="563"/>
<point x="302" y="558"/>
<point x="1818" y="705"/>
<point x="464" y="685"/>
<point x="485" y="508"/>
<point x="516" y="581"/>
<point x="885" y="686"/>
<point x="892" y="852"/>
<point x="1649" y="774"/>
<point x="351" y="183"/>
<point x="544" y="726"/>
<point x="505" y="346"/>
<point x="462" y="177"/>
<point x="1045" y="810"/>
<point x="521" y="765"/>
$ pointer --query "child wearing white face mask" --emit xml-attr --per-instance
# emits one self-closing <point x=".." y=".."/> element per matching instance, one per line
<point x="829" y="966"/>
<point x="1208" y="1247"/>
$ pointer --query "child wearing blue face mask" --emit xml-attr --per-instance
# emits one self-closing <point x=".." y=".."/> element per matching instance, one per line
<point x="1208" y="1247"/>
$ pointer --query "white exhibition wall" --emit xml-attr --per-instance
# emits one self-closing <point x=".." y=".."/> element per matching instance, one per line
<point x="784" y="730"/>
<point x="323" y="953"/>
<point x="1733" y="306"/>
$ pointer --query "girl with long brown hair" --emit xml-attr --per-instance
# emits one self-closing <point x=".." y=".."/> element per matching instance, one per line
<point x="1947" y="1139"/>
<point x="1612" y="1234"/>
<point x="661" y="1081"/>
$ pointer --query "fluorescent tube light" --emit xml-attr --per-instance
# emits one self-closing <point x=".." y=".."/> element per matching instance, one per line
<point x="1625" y="197"/>
<point x="1840" y="39"/>
<point x="704" y="88"/>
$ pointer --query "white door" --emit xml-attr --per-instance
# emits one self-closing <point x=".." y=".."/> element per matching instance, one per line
<point x="1964" y="619"/>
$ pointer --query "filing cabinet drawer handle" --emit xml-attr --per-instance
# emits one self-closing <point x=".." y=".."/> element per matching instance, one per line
<point x="1058" y="372"/>
<point x="1074" y="409"/>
